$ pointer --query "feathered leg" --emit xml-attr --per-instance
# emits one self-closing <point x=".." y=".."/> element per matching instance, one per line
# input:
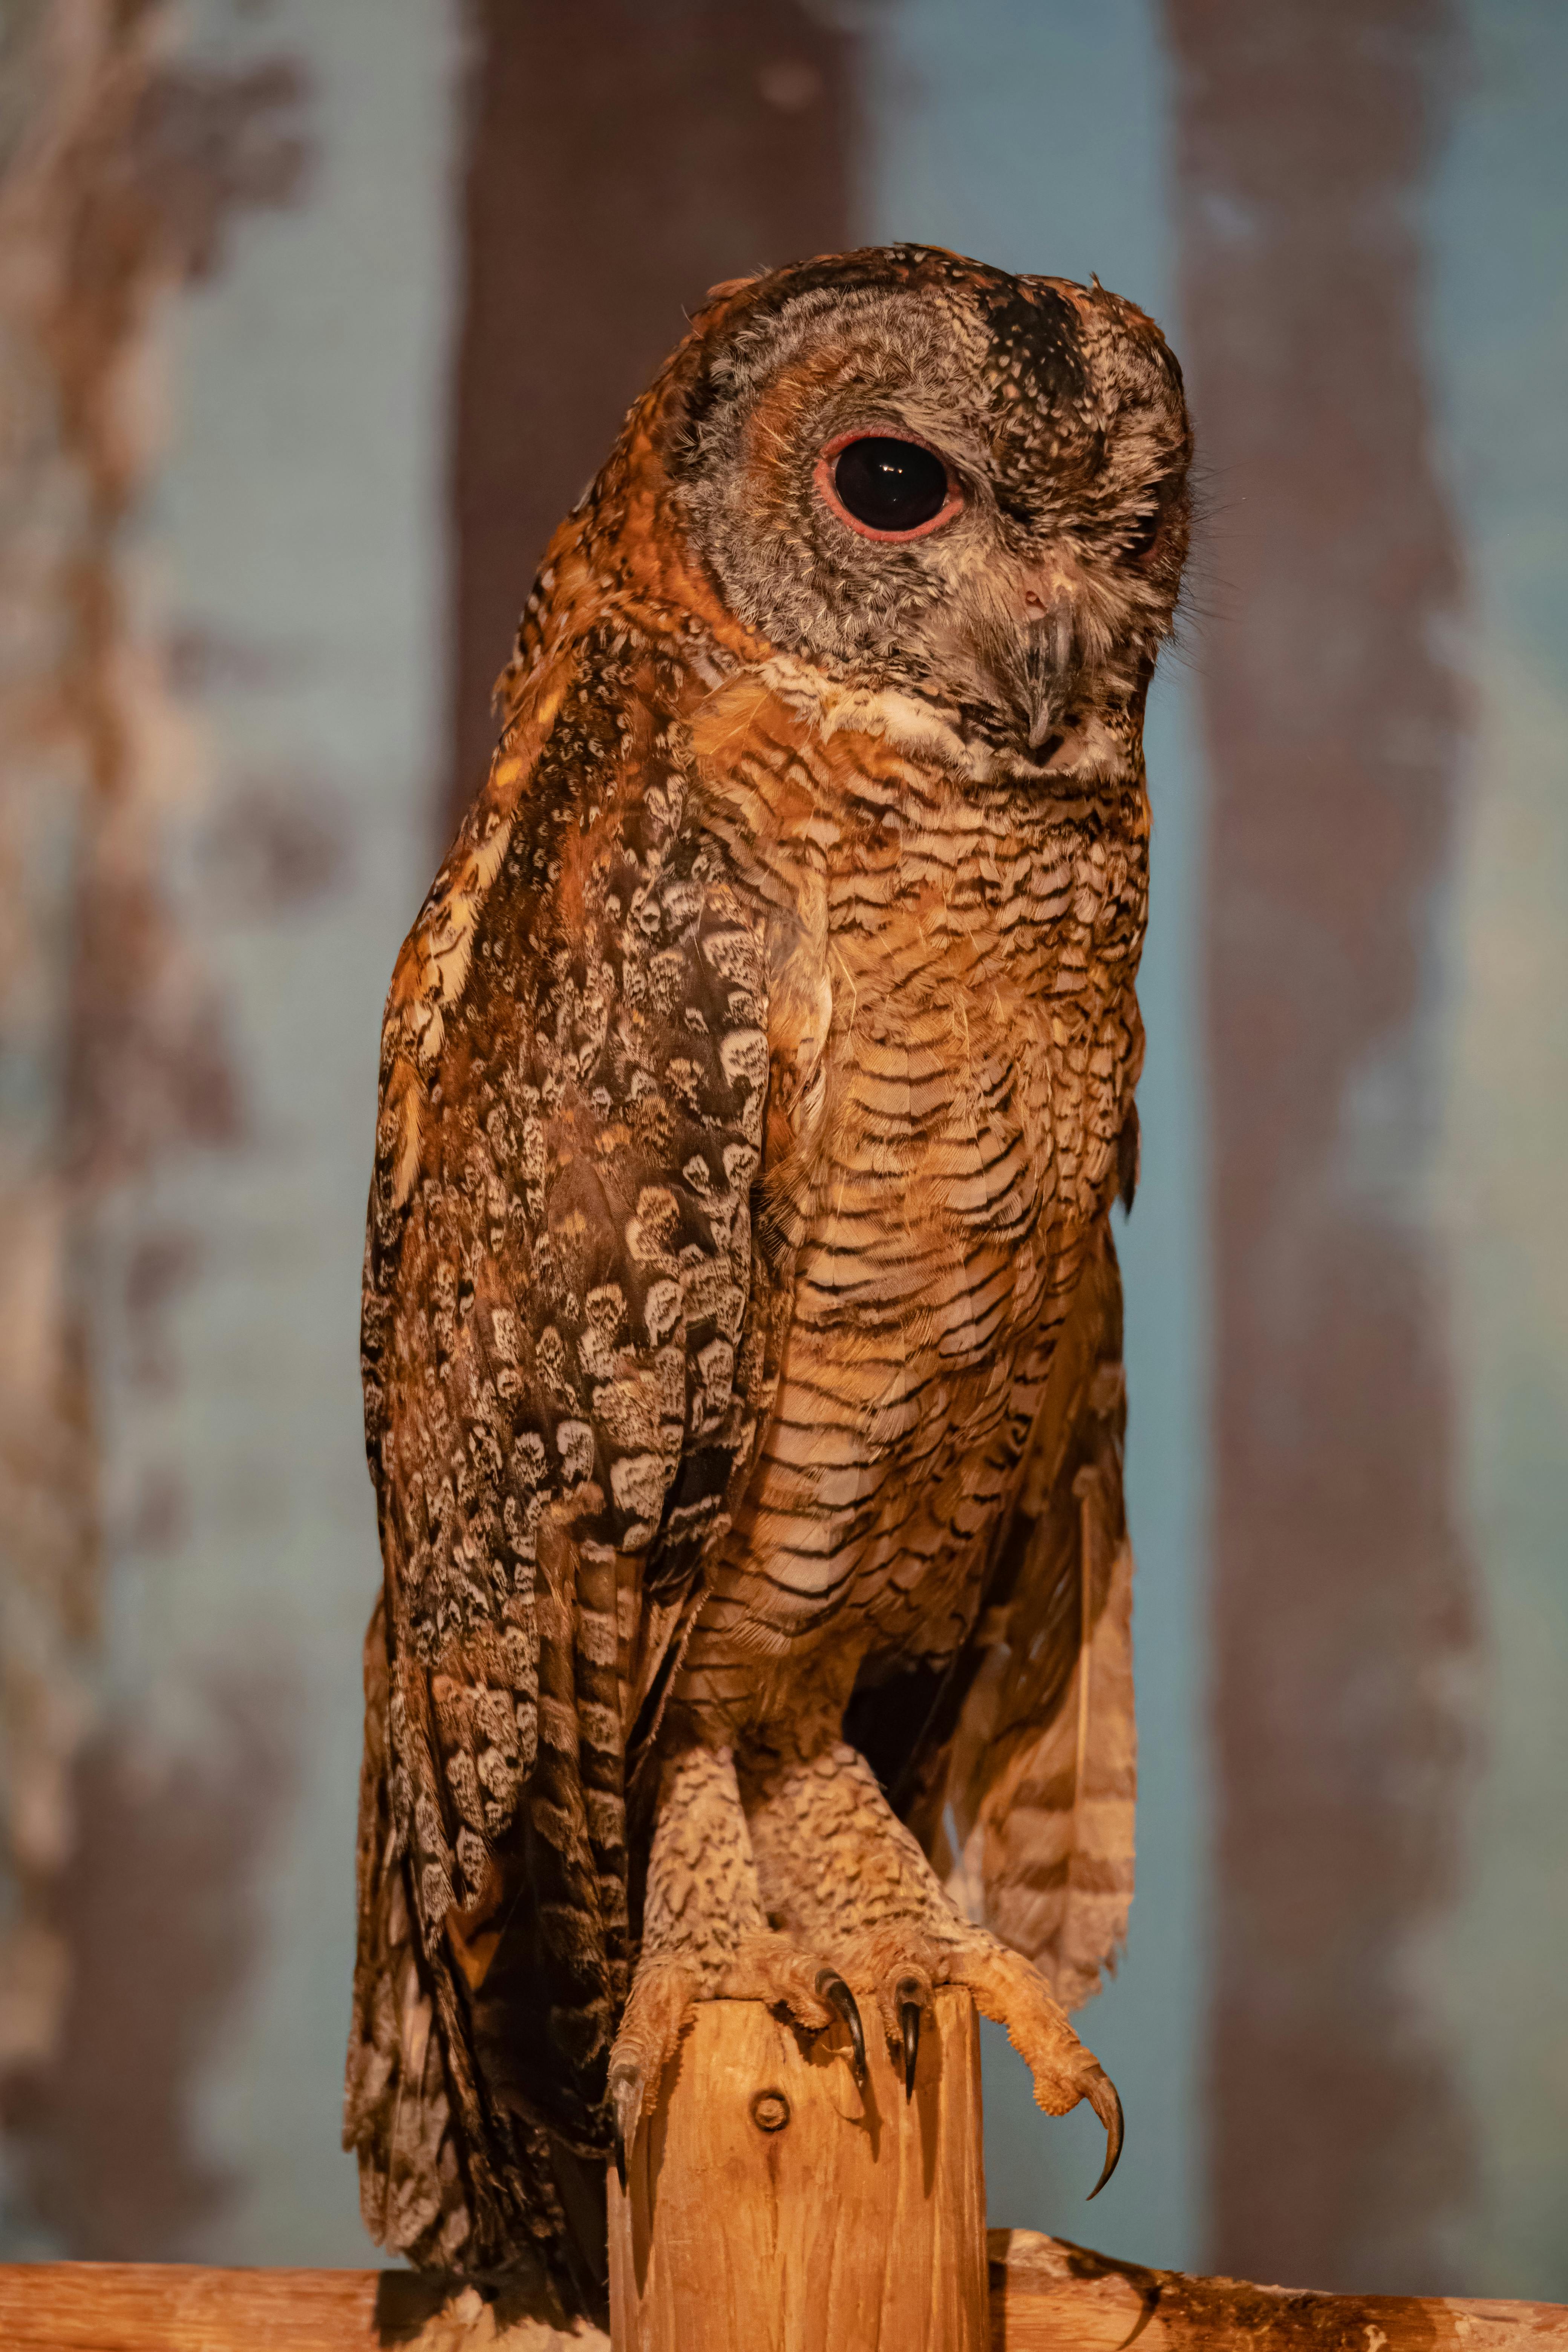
<point x="705" y="1934"/>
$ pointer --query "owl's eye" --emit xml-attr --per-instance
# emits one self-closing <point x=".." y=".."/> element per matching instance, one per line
<point x="1138" y="539"/>
<point x="1141" y="534"/>
<point x="886" y="488"/>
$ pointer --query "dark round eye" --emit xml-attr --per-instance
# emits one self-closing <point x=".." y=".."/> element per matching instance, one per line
<point x="1142" y="532"/>
<point x="889" y="486"/>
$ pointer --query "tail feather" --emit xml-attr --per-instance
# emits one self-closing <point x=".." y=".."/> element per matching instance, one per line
<point x="1056" y="1826"/>
<point x="1025" y="1792"/>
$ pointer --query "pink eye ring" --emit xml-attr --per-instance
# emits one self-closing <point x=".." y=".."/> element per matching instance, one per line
<point x="887" y="486"/>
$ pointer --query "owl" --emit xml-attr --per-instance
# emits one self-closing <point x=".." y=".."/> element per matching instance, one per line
<point x="741" y="1328"/>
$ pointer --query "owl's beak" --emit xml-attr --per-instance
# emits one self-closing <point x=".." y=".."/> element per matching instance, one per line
<point x="1043" y="717"/>
<point x="1049" y="612"/>
<point x="1021" y="631"/>
<point x="1050" y="654"/>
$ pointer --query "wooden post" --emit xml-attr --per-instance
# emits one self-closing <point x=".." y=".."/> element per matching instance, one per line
<point x="772" y="2207"/>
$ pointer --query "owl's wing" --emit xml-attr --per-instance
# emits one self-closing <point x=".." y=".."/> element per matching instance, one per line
<point x="396" y="2109"/>
<point x="565" y="1361"/>
<point x="1022" y="1778"/>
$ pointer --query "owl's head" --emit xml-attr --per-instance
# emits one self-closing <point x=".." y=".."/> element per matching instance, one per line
<point x="910" y="471"/>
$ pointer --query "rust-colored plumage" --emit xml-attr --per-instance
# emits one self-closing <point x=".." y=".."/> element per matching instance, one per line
<point x="741" y="1328"/>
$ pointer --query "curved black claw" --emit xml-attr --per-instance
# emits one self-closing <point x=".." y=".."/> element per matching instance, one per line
<point x="832" y="1988"/>
<point x="1102" y="2099"/>
<point x="625" y="2104"/>
<point x="910" y="2027"/>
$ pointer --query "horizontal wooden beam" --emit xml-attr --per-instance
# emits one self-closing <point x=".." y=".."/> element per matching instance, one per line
<point x="1048" y="2296"/>
<point x="1045" y="2296"/>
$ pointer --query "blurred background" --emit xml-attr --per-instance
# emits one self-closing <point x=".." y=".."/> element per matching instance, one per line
<point x="314" y="317"/>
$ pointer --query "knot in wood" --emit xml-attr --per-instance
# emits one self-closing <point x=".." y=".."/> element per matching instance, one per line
<point x="770" y="2111"/>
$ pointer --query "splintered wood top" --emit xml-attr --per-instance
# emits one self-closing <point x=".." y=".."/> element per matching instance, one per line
<point x="1045" y="2296"/>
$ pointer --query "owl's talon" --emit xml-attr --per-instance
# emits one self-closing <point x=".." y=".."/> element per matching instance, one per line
<point x="1102" y="2099"/>
<point x="910" y="2030"/>
<point x="626" y="2101"/>
<point x="832" y="1988"/>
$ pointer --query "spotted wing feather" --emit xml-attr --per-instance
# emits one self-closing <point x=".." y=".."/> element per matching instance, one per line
<point x="562" y="1378"/>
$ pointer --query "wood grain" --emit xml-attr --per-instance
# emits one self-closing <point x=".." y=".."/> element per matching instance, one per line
<point x="171" y="2307"/>
<point x="855" y="2220"/>
<point x="1048" y="2296"/>
<point x="1045" y="2296"/>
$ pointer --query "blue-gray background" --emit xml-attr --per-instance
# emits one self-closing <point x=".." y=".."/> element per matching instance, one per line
<point x="187" y="1553"/>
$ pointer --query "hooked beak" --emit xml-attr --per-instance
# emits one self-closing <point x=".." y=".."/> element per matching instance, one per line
<point x="1049" y="655"/>
<point x="1021" y="633"/>
<point x="1044" y="719"/>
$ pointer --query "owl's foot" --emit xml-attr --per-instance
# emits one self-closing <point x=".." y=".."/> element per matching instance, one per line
<point x="706" y="1937"/>
<point x="840" y="1874"/>
<point x="1007" y="1988"/>
<point x="660" y="2003"/>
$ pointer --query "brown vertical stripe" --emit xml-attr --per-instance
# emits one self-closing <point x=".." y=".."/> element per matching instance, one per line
<point x="1341" y="1593"/>
<point x="623" y="157"/>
